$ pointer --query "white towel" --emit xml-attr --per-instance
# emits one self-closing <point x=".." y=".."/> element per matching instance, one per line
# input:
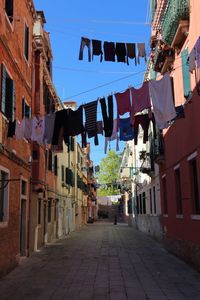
<point x="162" y="101"/>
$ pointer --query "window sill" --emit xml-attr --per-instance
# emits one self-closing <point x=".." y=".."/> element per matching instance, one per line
<point x="179" y="216"/>
<point x="195" y="217"/>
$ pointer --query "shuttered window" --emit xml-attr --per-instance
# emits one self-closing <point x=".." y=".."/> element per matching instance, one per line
<point x="186" y="73"/>
<point x="8" y="95"/>
<point x="9" y="9"/>
<point x="26" y="42"/>
<point x="26" y="110"/>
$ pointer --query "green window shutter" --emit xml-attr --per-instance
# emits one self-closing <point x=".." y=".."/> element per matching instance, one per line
<point x="9" y="107"/>
<point x="3" y="88"/>
<point x="186" y="73"/>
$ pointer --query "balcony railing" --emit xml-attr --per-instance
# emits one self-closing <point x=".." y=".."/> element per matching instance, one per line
<point x="177" y="10"/>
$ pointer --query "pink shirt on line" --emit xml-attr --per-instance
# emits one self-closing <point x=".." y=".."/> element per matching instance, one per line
<point x="140" y="99"/>
<point x="123" y="103"/>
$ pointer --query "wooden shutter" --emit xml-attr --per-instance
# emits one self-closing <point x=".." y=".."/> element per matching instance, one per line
<point x="13" y="101"/>
<point x="3" y="88"/>
<point x="9" y="105"/>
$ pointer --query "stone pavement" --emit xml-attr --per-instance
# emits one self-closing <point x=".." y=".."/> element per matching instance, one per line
<point x="102" y="261"/>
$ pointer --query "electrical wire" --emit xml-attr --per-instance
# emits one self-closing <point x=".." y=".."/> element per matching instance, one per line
<point x="101" y="21"/>
<point x="105" y="84"/>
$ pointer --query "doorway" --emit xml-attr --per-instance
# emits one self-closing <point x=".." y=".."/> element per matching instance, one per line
<point x="23" y="227"/>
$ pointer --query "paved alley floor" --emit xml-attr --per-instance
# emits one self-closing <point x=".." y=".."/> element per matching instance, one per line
<point x="102" y="261"/>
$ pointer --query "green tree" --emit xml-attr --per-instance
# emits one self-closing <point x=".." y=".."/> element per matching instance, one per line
<point x="108" y="175"/>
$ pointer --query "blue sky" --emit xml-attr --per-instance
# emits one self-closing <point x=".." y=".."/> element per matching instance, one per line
<point x="115" y="21"/>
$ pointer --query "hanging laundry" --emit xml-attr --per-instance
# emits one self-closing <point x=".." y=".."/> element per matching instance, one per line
<point x="192" y="60"/>
<point x="19" y="130"/>
<point x="97" y="49"/>
<point x="180" y="113"/>
<point x="126" y="130"/>
<point x="27" y="124"/>
<point x="60" y="123"/>
<point x="38" y="127"/>
<point x="120" y="51"/>
<point x="141" y="51"/>
<point x="85" y="42"/>
<point x="140" y="99"/>
<point x="49" y="127"/>
<point x="11" y="128"/>
<point x="99" y="127"/>
<point x="144" y="121"/>
<point x="109" y="51"/>
<point x="197" y="53"/>
<point x="123" y="103"/>
<point x="113" y="137"/>
<point x="84" y="139"/>
<point x="59" y="147"/>
<point x="162" y="100"/>
<point x="107" y="117"/>
<point x="75" y="121"/>
<point x="91" y="118"/>
<point x="131" y="52"/>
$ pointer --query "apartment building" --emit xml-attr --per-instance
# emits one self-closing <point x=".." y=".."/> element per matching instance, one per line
<point x="174" y="43"/>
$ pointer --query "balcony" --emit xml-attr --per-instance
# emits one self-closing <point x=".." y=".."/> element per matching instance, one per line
<point x="163" y="58"/>
<point x="177" y="10"/>
<point x="159" y="152"/>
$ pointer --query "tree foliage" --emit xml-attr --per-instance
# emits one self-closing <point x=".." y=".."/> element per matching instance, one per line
<point x="109" y="173"/>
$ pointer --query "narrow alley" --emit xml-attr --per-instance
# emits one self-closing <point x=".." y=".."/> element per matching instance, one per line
<point x="102" y="261"/>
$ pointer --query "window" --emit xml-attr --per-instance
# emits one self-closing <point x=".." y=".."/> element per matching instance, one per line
<point x="154" y="199"/>
<point x="24" y="188"/>
<point x="55" y="211"/>
<point x="194" y="185"/>
<point x="26" y="42"/>
<point x="150" y="198"/>
<point x="165" y="206"/>
<point x="50" y="160"/>
<point x="55" y="165"/>
<point x="177" y="176"/>
<point x="39" y="211"/>
<point x="9" y="9"/>
<point x="137" y="205"/>
<point x="8" y="101"/>
<point x="186" y="73"/>
<point x="3" y="196"/>
<point x="35" y="155"/>
<point x="62" y="173"/>
<point x="26" y="110"/>
<point x="144" y="203"/>
<point x="140" y="203"/>
<point x="49" y="210"/>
